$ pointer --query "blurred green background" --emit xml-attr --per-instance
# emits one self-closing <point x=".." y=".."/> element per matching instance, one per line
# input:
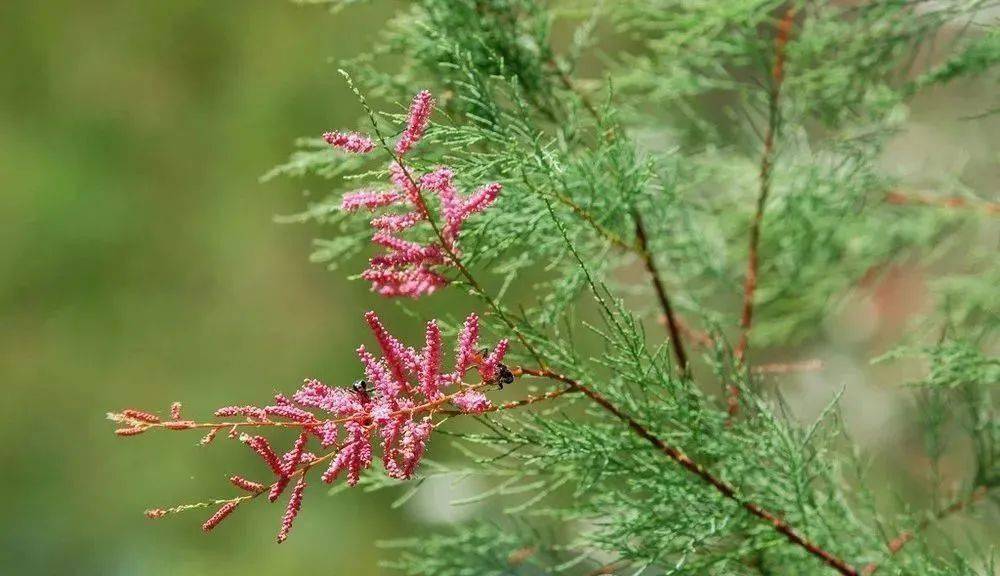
<point x="140" y="265"/>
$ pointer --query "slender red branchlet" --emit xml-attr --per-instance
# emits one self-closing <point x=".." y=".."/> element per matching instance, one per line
<point x="178" y="424"/>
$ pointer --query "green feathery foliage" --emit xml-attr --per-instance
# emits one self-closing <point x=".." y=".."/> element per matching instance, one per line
<point x="698" y="111"/>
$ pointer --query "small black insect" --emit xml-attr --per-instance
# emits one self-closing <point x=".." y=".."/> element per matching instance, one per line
<point x="361" y="389"/>
<point x="504" y="376"/>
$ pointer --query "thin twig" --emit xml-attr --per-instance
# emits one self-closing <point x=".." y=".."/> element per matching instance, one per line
<point x="642" y="247"/>
<point x="609" y="568"/>
<point x="568" y="84"/>
<point x="661" y="295"/>
<point x="813" y="365"/>
<point x="721" y="486"/>
<point x="515" y="403"/>
<point x="904" y="537"/>
<point x="766" y="166"/>
<point x="907" y="199"/>
<point x="700" y="338"/>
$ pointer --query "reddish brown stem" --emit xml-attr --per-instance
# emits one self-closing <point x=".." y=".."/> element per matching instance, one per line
<point x="721" y="486"/>
<point x="642" y="247"/>
<point x="766" y="166"/>
<point x="813" y="365"/>
<point x="516" y="403"/>
<point x="904" y="537"/>
<point x="661" y="295"/>
<point x="903" y="199"/>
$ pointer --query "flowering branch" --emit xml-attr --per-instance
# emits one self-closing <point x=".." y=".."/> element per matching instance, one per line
<point x="402" y="392"/>
<point x="404" y="179"/>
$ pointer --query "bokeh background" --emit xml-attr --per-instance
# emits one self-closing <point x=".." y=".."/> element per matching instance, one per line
<point x="140" y="264"/>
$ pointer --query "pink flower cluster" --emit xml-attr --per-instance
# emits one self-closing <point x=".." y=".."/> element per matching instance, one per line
<point x="393" y="407"/>
<point x="407" y="268"/>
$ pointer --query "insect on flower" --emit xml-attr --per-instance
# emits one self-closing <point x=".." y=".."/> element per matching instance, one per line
<point x="360" y="388"/>
<point x="503" y="374"/>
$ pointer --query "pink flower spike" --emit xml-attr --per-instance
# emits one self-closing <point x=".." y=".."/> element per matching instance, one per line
<point x="262" y="447"/>
<point x="175" y="411"/>
<point x="466" y="352"/>
<point x="430" y="370"/>
<point x="295" y="456"/>
<point x="327" y="433"/>
<point x="140" y="416"/>
<point x="441" y="182"/>
<point x="416" y="123"/>
<point x="472" y="401"/>
<point x="350" y="142"/>
<point x="368" y="199"/>
<point x="391" y="431"/>
<point x="290" y="462"/>
<point x="219" y="516"/>
<point x="377" y="374"/>
<point x="355" y="456"/>
<point x="488" y="369"/>
<point x="248" y="411"/>
<point x="408" y="282"/>
<point x="481" y="199"/>
<point x="402" y="179"/>
<point x="336" y="401"/>
<point x="244" y="484"/>
<point x="410" y="252"/>
<point x="397" y="356"/>
<point x="396" y="222"/>
<point x="294" y="505"/>
<point x="289" y="413"/>
<point x="278" y="488"/>
<point x="414" y="443"/>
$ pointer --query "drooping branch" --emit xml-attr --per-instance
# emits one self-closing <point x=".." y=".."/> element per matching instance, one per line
<point x="721" y="486"/>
